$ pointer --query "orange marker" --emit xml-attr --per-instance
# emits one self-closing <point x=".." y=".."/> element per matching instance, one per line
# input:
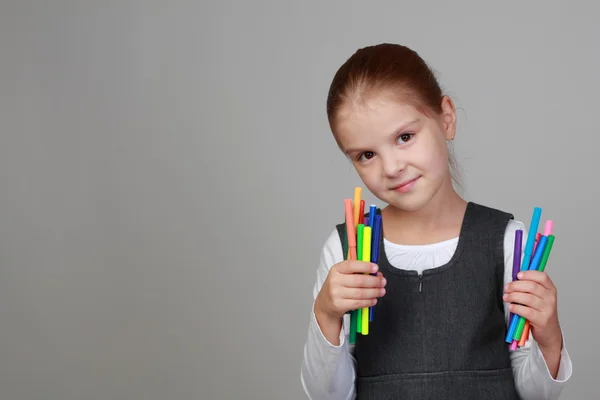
<point x="524" y="335"/>
<point x="357" y="195"/>
<point x="351" y="230"/>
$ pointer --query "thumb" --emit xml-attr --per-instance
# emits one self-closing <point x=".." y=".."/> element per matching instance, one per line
<point x="357" y="267"/>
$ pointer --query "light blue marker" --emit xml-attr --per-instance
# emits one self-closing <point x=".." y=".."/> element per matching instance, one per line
<point x="533" y="228"/>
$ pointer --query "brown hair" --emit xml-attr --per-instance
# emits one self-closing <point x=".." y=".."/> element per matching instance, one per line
<point x="392" y="67"/>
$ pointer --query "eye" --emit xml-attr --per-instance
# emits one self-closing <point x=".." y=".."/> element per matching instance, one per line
<point x="405" y="137"/>
<point x="367" y="155"/>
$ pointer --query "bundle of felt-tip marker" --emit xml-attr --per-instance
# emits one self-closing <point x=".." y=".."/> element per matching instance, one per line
<point x="362" y="236"/>
<point x="534" y="257"/>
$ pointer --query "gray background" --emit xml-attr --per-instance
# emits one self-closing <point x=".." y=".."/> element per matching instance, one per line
<point x="168" y="178"/>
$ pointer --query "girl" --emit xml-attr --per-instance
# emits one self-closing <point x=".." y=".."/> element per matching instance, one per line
<point x="443" y="290"/>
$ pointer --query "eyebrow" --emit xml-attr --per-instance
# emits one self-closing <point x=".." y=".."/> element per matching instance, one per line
<point x="394" y="133"/>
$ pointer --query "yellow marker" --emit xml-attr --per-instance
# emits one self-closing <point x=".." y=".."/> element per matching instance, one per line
<point x="366" y="256"/>
<point x="356" y="206"/>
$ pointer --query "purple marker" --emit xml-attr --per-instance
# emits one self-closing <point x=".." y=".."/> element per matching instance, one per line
<point x="516" y="268"/>
<point x="517" y="253"/>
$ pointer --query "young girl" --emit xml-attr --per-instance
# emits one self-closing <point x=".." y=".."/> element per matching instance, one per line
<point x="443" y="287"/>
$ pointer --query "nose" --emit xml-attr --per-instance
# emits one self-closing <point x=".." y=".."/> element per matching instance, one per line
<point x="392" y="164"/>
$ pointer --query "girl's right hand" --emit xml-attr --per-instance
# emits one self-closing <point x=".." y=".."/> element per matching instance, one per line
<point x="349" y="286"/>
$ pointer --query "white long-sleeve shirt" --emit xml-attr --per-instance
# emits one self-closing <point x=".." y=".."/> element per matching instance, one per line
<point x="328" y="371"/>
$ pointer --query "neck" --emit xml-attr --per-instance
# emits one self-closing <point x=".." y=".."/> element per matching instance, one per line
<point x="441" y="219"/>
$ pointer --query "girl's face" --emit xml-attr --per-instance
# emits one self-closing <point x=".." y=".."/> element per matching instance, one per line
<point x="399" y="152"/>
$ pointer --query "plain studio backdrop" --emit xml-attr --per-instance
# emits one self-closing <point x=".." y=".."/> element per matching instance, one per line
<point x="168" y="178"/>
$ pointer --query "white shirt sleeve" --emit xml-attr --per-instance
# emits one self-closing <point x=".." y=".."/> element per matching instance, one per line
<point x="328" y="371"/>
<point x="532" y="376"/>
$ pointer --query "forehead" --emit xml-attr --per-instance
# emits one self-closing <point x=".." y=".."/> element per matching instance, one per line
<point x="373" y="116"/>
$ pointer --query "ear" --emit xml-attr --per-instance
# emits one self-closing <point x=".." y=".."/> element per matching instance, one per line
<point x="448" y="118"/>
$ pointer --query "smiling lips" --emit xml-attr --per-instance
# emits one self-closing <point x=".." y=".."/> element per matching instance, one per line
<point x="406" y="186"/>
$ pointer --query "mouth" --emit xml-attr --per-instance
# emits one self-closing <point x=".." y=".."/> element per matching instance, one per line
<point x="406" y="185"/>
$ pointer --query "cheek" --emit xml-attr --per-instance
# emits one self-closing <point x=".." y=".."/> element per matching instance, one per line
<point x="370" y="177"/>
<point x="436" y="159"/>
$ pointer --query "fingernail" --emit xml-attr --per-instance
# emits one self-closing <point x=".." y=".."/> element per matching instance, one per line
<point x="504" y="297"/>
<point x="520" y="275"/>
<point x="382" y="291"/>
<point x="374" y="268"/>
<point x="383" y="281"/>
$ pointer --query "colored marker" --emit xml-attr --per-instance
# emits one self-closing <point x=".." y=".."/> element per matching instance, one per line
<point x="376" y="239"/>
<point x="537" y="258"/>
<point x="514" y="344"/>
<point x="369" y="223"/>
<point x="352" y="337"/>
<point x="533" y="228"/>
<point x="541" y="268"/>
<point x="546" y="255"/>
<point x="366" y="256"/>
<point x="375" y="253"/>
<point x="535" y="221"/>
<point x="345" y="241"/>
<point x="514" y="323"/>
<point x="361" y="211"/>
<point x="360" y="229"/>
<point x="372" y="212"/>
<point x="351" y="240"/>
<point x="350" y="230"/>
<point x="357" y="194"/>
<point x="548" y="227"/>
<point x="517" y="252"/>
<point x="537" y="240"/>
<point x="521" y="335"/>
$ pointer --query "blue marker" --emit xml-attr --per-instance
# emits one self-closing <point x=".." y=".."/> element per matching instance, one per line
<point x="372" y="212"/>
<point x="376" y="238"/>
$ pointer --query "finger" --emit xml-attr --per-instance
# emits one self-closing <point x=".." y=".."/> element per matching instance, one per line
<point x="362" y="281"/>
<point x="525" y="299"/>
<point x="533" y="316"/>
<point x="357" y="304"/>
<point x="536" y="276"/>
<point x="354" y="267"/>
<point x="361" y="293"/>
<point x="526" y="287"/>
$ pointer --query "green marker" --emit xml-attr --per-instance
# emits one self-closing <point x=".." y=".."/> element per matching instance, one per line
<point x="360" y="228"/>
<point x="352" y="313"/>
<point x="546" y="253"/>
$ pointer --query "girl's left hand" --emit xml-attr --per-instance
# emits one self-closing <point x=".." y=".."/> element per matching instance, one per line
<point x="534" y="297"/>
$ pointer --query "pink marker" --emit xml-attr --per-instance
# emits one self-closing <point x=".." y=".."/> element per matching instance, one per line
<point x="548" y="228"/>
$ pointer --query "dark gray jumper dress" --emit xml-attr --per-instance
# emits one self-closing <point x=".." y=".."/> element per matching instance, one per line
<point x="440" y="335"/>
